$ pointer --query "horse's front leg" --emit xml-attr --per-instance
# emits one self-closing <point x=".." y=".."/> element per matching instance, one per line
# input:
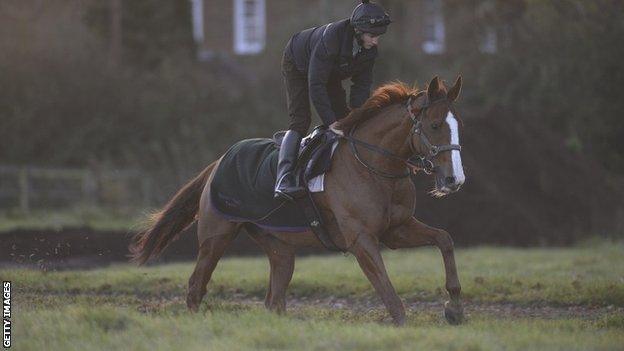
<point x="366" y="251"/>
<point x="414" y="233"/>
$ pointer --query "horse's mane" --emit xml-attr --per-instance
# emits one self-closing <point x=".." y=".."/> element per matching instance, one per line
<point x="384" y="96"/>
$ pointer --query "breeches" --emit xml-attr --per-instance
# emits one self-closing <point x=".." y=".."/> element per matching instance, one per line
<point x="298" y="96"/>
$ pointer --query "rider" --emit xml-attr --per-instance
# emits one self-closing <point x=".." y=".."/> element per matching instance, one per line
<point x="315" y="62"/>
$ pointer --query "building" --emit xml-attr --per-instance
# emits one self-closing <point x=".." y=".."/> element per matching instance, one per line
<point x="248" y="27"/>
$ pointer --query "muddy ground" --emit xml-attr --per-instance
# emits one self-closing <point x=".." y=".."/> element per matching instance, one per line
<point x="372" y="305"/>
<point x="79" y="248"/>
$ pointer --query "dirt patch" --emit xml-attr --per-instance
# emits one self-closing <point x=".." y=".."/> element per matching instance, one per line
<point x="500" y="310"/>
<point x="364" y="306"/>
<point x="80" y="248"/>
<point x="150" y="303"/>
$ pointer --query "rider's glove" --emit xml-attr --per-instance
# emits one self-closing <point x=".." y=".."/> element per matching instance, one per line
<point x="334" y="128"/>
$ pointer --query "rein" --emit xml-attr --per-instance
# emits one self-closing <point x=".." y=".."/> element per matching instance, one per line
<point x="415" y="162"/>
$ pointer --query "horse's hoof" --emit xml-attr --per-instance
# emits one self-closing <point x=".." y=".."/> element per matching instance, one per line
<point x="193" y="306"/>
<point x="399" y="322"/>
<point x="453" y="312"/>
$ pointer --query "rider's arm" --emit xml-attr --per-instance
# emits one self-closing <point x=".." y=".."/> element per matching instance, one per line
<point x="361" y="85"/>
<point x="321" y="63"/>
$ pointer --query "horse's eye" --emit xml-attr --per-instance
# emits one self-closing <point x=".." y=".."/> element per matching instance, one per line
<point x="435" y="125"/>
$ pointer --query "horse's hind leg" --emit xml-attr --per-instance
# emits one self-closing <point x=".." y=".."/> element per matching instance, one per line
<point x="214" y="234"/>
<point x="282" y="262"/>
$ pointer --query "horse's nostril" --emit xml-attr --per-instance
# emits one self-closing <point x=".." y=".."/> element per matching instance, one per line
<point x="450" y="180"/>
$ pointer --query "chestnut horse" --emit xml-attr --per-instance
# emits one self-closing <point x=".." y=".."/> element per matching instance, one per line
<point x="367" y="199"/>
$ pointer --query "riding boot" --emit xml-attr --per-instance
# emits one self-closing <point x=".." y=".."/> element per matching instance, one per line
<point x="287" y="185"/>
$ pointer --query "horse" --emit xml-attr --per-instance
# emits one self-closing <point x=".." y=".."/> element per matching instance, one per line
<point x="368" y="199"/>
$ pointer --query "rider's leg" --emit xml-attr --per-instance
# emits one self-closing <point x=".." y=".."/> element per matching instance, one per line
<point x="297" y="95"/>
<point x="286" y="185"/>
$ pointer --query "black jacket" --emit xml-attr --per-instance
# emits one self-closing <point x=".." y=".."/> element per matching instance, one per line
<point x="326" y="54"/>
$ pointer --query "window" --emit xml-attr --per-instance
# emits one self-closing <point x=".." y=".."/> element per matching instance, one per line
<point x="434" y="30"/>
<point x="197" y="13"/>
<point x="249" y="26"/>
<point x="488" y="42"/>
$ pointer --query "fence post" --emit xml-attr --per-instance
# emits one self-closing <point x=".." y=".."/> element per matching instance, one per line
<point x="89" y="188"/>
<point x="24" y="192"/>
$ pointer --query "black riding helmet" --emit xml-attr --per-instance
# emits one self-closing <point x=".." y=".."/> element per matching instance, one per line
<point x="370" y="18"/>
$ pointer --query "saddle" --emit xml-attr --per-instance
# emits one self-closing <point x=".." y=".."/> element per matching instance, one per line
<point x="314" y="152"/>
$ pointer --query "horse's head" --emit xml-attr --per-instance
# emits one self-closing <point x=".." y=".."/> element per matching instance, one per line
<point x="436" y="135"/>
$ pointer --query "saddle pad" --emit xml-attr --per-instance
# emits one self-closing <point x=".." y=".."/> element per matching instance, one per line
<point x="317" y="183"/>
<point x="242" y="187"/>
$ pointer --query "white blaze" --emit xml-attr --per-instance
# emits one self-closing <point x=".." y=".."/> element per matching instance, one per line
<point x="458" y="170"/>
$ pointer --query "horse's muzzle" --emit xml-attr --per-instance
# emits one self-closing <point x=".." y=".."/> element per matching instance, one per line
<point x="447" y="185"/>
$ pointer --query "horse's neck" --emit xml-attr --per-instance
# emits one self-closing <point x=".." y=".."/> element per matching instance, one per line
<point x="386" y="130"/>
<point x="376" y="194"/>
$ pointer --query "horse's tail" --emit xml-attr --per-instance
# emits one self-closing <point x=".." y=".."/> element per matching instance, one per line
<point x="163" y="227"/>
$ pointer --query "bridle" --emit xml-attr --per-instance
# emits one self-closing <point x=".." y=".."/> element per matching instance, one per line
<point x="415" y="162"/>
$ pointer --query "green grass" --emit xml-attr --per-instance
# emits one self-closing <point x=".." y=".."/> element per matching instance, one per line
<point x="125" y="307"/>
<point x="555" y="276"/>
<point x="121" y="327"/>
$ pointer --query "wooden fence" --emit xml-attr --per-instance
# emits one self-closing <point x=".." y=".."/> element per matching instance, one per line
<point x="27" y="188"/>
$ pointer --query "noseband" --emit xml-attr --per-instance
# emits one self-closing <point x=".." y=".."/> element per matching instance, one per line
<point x="415" y="162"/>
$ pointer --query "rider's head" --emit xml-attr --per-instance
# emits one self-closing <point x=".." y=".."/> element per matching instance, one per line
<point x="370" y="21"/>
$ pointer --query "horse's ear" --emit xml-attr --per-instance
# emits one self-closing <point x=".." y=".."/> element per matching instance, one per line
<point x="416" y="101"/>
<point x="453" y="93"/>
<point x="432" y="88"/>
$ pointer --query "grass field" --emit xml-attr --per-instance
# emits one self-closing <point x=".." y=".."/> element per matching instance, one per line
<point x="516" y="299"/>
<point x="83" y="216"/>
